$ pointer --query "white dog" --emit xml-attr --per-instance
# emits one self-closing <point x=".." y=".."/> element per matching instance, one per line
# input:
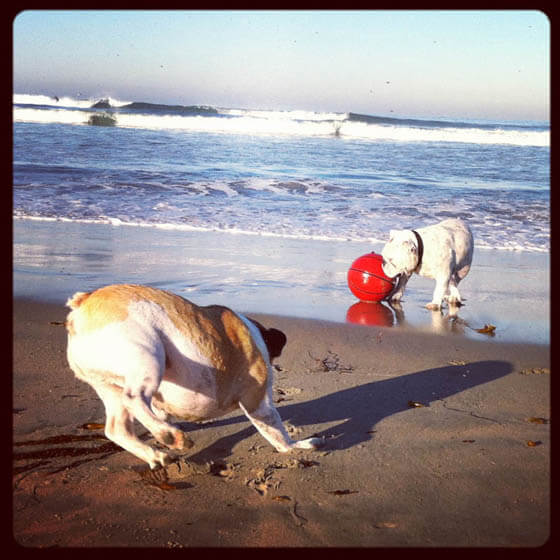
<point x="149" y="353"/>
<point x="442" y="252"/>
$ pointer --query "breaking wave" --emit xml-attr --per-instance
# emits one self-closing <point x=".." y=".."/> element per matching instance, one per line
<point x="202" y="118"/>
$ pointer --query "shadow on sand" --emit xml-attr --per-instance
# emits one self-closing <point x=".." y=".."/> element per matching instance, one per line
<point x="360" y="408"/>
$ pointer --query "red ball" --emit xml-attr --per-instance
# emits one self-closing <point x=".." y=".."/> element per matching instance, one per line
<point x="366" y="278"/>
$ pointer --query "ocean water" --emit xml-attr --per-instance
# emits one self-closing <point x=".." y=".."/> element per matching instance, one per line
<point x="264" y="211"/>
<point x="288" y="174"/>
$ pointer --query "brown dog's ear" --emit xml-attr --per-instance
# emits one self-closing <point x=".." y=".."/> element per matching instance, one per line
<point x="274" y="339"/>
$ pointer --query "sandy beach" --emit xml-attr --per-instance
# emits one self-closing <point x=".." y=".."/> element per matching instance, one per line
<point x="248" y="159"/>
<point x="470" y="467"/>
<point x="467" y="466"/>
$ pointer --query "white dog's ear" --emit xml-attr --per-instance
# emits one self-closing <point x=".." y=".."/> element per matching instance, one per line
<point x="392" y="234"/>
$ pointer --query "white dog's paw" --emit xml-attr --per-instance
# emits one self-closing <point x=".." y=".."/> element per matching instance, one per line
<point x="453" y="312"/>
<point x="310" y="443"/>
<point x="433" y="306"/>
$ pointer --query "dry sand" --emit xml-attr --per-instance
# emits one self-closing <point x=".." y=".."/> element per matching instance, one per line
<point x="471" y="467"/>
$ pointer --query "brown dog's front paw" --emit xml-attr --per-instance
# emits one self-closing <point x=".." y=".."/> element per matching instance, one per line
<point x="310" y="443"/>
<point x="175" y="439"/>
<point x="182" y="441"/>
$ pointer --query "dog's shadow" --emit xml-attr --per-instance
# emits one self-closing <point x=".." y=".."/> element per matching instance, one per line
<point x="360" y="408"/>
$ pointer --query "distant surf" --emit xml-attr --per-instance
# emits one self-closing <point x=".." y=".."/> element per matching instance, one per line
<point x="203" y="118"/>
<point x="310" y="175"/>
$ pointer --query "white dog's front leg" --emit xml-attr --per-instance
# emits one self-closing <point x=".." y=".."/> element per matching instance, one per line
<point x="268" y="422"/>
<point x="398" y="292"/>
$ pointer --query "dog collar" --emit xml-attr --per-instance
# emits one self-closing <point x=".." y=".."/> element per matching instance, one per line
<point x="420" y="247"/>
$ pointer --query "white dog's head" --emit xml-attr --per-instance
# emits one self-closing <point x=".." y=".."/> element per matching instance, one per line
<point x="400" y="254"/>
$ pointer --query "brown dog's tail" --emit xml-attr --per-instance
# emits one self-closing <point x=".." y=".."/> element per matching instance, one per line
<point x="73" y="303"/>
<point x="77" y="299"/>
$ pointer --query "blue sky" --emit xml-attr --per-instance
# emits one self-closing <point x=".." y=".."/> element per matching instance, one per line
<point x="473" y="64"/>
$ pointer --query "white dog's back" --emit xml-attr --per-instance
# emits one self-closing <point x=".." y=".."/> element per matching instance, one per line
<point x="452" y="235"/>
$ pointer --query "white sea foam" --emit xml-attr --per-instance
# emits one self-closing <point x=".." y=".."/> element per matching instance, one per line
<point x="480" y="243"/>
<point x="466" y="135"/>
<point x="64" y="101"/>
<point x="60" y="116"/>
<point x="286" y="115"/>
<point x="293" y="123"/>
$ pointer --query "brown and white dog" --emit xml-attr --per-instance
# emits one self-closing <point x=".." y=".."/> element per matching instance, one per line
<point x="149" y="353"/>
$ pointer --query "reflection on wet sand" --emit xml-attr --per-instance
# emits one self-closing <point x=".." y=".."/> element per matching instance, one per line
<point x="384" y="314"/>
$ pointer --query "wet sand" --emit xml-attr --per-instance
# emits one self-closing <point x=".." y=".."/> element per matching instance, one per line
<point x="281" y="276"/>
